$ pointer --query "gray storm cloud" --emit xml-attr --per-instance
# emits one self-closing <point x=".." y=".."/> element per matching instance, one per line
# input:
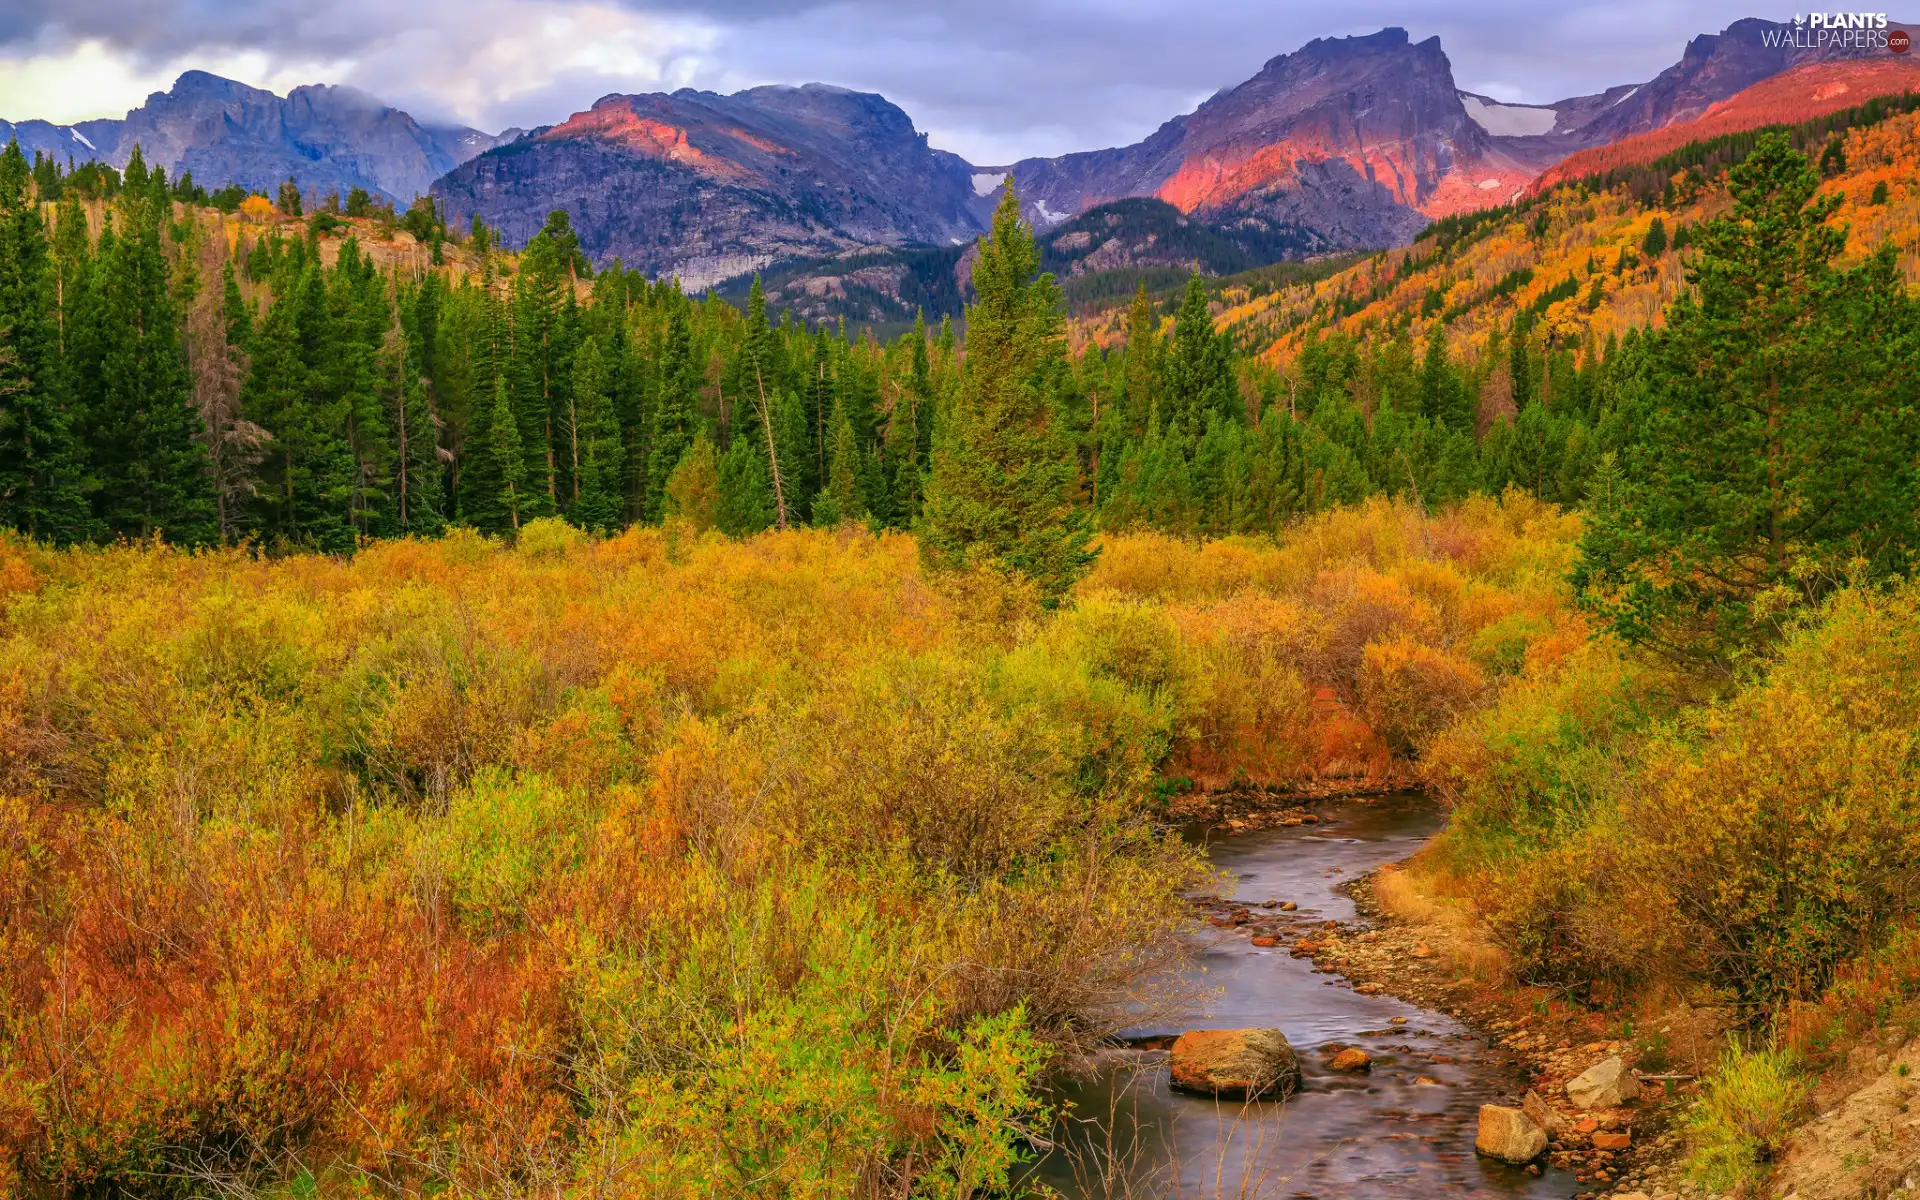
<point x="992" y="79"/>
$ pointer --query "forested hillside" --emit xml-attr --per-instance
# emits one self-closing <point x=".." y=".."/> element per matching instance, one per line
<point x="307" y="379"/>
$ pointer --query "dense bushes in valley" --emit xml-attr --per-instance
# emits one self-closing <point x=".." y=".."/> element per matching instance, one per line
<point x="1757" y="842"/>
<point x="654" y="865"/>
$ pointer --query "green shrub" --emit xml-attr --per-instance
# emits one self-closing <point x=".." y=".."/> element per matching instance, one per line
<point x="1743" y="1119"/>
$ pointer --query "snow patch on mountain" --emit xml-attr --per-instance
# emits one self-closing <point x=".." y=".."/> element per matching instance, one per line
<point x="1048" y="215"/>
<point x="986" y="181"/>
<point x="1508" y="120"/>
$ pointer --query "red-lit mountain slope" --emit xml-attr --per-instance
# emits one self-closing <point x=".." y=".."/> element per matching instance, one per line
<point x="1802" y="93"/>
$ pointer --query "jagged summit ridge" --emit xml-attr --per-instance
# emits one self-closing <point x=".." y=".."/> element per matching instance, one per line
<point x="328" y="137"/>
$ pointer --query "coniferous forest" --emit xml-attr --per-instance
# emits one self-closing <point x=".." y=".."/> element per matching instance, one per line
<point x="479" y="721"/>
<point x="272" y="382"/>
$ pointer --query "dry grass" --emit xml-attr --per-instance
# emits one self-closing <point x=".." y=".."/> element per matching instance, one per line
<point x="1449" y="925"/>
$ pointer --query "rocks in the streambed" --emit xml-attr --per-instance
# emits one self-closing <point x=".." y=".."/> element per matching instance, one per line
<point x="1510" y="1135"/>
<point x="1606" y="1084"/>
<point x="1235" y="1063"/>
<point x="1352" y="1059"/>
<point x="1536" y="1107"/>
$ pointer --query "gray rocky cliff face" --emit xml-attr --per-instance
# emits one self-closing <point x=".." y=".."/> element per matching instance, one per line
<point x="707" y="186"/>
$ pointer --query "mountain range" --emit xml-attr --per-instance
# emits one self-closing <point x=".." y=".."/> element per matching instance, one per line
<point x="329" y="138"/>
<point x="1345" y="143"/>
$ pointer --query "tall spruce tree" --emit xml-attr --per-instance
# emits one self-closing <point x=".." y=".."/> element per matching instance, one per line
<point x="294" y="392"/>
<point x="676" y="417"/>
<point x="1777" y="448"/>
<point x="40" y="457"/>
<point x="543" y="319"/>
<point x="148" y="456"/>
<point x="841" y="499"/>
<point x="746" y="489"/>
<point x="1143" y="362"/>
<point x="1004" y="481"/>
<point x="791" y="442"/>
<point x="1198" y="368"/>
<point x="363" y="317"/>
<point x="599" y="506"/>
<point x="419" y="477"/>
<point x="508" y="455"/>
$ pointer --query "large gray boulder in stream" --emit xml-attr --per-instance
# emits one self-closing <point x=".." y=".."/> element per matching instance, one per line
<point x="1606" y="1084"/>
<point x="1509" y="1135"/>
<point x="1235" y="1064"/>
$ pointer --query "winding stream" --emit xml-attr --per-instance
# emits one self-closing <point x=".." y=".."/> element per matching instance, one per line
<point x="1405" y="1130"/>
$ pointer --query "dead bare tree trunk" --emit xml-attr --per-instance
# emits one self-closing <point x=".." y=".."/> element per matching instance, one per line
<point x="235" y="445"/>
<point x="773" y="453"/>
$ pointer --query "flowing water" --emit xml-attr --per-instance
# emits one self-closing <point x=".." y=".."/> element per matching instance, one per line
<point x="1405" y="1130"/>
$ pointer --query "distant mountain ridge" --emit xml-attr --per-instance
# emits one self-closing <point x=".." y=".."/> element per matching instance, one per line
<point x="328" y="138"/>
<point x="1346" y="143"/>
<point x="1356" y="138"/>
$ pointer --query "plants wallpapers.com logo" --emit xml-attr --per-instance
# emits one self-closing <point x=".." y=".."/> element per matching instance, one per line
<point x="1858" y="32"/>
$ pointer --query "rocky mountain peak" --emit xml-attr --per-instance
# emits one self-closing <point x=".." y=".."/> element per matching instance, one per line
<point x="205" y="85"/>
<point x="327" y="137"/>
<point x="706" y="185"/>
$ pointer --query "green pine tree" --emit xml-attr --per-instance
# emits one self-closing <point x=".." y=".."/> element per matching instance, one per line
<point x="675" y="417"/>
<point x="600" y="505"/>
<point x="1004" y="483"/>
<point x="1198" y="368"/>
<point x="791" y="441"/>
<point x="1520" y="363"/>
<point x="40" y="456"/>
<point x="1143" y="366"/>
<point x="841" y="500"/>
<point x="507" y="454"/>
<point x="1775" y="454"/>
<point x="147" y="451"/>
<point x="1444" y="397"/>
<point x="293" y="391"/>
<point x="419" y="481"/>
<point x="746" y="490"/>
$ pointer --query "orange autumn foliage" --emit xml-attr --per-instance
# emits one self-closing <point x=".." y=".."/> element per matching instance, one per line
<point x="416" y="869"/>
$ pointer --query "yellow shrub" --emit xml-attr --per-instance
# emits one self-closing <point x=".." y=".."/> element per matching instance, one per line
<point x="1409" y="691"/>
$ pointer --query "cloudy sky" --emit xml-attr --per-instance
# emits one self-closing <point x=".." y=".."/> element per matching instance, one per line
<point x="993" y="80"/>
